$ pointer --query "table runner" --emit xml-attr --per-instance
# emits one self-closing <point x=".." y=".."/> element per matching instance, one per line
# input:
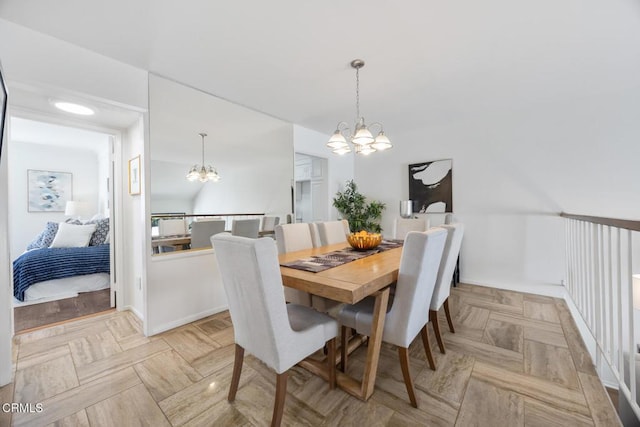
<point x="318" y="263"/>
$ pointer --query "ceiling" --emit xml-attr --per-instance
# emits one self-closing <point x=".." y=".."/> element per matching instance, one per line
<point x="427" y="61"/>
<point x="36" y="132"/>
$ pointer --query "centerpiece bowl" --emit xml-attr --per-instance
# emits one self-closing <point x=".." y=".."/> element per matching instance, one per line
<point x="363" y="240"/>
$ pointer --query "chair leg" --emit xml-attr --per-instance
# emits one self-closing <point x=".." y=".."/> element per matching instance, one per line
<point x="403" y="353"/>
<point x="281" y="393"/>
<point x="433" y="318"/>
<point x="237" y="370"/>
<point x="344" y="344"/>
<point x="427" y="348"/>
<point x="448" y="313"/>
<point x="331" y="360"/>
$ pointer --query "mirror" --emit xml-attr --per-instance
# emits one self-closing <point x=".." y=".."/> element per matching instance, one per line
<point x="252" y="152"/>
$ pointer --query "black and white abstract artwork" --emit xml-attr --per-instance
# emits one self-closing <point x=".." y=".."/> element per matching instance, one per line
<point x="430" y="186"/>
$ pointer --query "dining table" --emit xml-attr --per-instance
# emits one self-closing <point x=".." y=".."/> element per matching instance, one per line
<point x="177" y="242"/>
<point x="349" y="283"/>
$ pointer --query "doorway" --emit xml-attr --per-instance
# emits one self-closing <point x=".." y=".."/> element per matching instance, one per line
<point x="312" y="191"/>
<point x="62" y="179"/>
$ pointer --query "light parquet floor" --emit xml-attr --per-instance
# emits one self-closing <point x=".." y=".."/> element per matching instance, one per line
<point x="515" y="360"/>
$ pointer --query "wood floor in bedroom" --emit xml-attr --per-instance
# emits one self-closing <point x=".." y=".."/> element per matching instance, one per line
<point x="46" y="313"/>
<point x="515" y="360"/>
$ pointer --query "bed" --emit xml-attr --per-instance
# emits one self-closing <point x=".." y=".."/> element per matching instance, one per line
<point x="63" y="260"/>
<point x="53" y="273"/>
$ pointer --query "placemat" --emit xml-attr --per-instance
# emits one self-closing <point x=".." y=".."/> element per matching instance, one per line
<point x="318" y="263"/>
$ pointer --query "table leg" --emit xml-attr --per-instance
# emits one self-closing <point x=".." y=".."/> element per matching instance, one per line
<point x="362" y="390"/>
<point x="375" y="343"/>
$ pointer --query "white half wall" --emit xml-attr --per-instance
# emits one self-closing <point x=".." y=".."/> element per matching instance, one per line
<point x="182" y="288"/>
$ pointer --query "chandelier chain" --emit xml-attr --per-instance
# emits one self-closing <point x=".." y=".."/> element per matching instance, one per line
<point x="202" y="135"/>
<point x="357" y="94"/>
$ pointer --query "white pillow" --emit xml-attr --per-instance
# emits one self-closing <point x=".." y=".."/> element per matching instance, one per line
<point x="73" y="236"/>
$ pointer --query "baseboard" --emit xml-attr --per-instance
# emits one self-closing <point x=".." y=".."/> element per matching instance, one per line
<point x="545" y="289"/>
<point x="134" y="311"/>
<point x="185" y="320"/>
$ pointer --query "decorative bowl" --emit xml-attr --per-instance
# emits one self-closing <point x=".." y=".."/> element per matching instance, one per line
<point x="363" y="241"/>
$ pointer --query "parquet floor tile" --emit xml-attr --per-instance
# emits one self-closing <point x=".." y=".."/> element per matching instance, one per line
<point x="516" y="359"/>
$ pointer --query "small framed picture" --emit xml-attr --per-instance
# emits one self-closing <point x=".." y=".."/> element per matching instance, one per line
<point x="134" y="176"/>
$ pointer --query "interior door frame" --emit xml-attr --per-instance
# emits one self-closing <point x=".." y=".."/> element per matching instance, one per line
<point x="115" y="182"/>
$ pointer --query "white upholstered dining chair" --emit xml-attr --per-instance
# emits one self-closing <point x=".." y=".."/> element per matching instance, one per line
<point x="291" y="238"/>
<point x="171" y="227"/>
<point x="401" y="226"/>
<point x="278" y="334"/>
<point x="442" y="288"/>
<point x="269" y="223"/>
<point x="201" y="232"/>
<point x="331" y="232"/>
<point x="246" y="227"/>
<point x="408" y="314"/>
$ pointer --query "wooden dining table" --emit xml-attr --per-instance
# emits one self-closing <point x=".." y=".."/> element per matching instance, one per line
<point x="177" y="242"/>
<point x="349" y="283"/>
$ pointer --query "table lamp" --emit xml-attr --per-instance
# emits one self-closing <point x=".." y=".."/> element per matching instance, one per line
<point x="75" y="209"/>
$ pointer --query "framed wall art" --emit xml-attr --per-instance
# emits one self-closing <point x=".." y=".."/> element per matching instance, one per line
<point x="48" y="191"/>
<point x="3" y="108"/>
<point x="134" y="176"/>
<point x="430" y="186"/>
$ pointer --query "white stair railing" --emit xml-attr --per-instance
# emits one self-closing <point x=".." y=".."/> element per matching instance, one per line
<point x="599" y="280"/>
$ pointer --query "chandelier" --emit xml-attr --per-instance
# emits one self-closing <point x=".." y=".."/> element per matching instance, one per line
<point x="203" y="173"/>
<point x="361" y="138"/>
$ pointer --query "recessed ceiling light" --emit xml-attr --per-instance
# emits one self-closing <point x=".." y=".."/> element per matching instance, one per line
<point x="70" y="107"/>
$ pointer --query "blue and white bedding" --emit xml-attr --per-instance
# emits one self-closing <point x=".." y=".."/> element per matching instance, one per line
<point x="39" y="265"/>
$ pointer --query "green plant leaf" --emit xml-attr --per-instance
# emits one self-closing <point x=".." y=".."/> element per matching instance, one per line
<point x="353" y="206"/>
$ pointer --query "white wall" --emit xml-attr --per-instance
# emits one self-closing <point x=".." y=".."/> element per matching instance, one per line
<point x="514" y="171"/>
<point x="252" y="152"/>
<point x="104" y="163"/>
<point x="133" y="223"/>
<point x="182" y="288"/>
<point x="172" y="206"/>
<point x="314" y="143"/>
<point x="260" y="183"/>
<point x="84" y="166"/>
<point x="33" y="58"/>
<point x="6" y="293"/>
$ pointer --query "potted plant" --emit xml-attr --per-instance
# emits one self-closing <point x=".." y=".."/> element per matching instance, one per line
<point x="353" y="206"/>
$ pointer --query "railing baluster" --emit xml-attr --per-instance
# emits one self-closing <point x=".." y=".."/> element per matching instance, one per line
<point x="610" y="287"/>
<point x="599" y="279"/>
<point x="596" y="291"/>
<point x="632" y="351"/>
<point x="619" y="287"/>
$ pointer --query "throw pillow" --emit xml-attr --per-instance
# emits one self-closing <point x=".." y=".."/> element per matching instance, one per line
<point x="48" y="234"/>
<point x="35" y="243"/>
<point x="73" y="236"/>
<point x="99" y="236"/>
